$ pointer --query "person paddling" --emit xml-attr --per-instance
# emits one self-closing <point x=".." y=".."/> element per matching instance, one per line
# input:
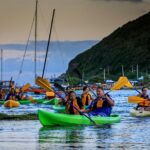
<point x="75" y="101"/>
<point x="11" y="95"/>
<point x="2" y="94"/>
<point x="101" y="106"/>
<point x="86" y="96"/>
<point x="144" y="94"/>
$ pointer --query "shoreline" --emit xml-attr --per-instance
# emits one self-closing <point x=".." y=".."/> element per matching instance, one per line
<point x="4" y="116"/>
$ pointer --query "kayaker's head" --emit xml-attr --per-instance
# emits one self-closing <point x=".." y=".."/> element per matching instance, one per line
<point x="100" y="91"/>
<point x="85" y="89"/>
<point x="144" y="90"/>
<point x="67" y="89"/>
<point x="72" y="95"/>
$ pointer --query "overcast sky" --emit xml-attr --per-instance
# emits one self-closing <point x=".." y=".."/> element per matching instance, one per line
<point x="74" y="19"/>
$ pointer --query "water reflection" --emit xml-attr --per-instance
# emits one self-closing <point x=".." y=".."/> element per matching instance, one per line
<point x="78" y="137"/>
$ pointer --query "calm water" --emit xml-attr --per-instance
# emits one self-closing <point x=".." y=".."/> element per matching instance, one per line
<point x="131" y="133"/>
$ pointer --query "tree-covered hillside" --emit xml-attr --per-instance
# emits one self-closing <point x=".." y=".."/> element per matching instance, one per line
<point x="127" y="46"/>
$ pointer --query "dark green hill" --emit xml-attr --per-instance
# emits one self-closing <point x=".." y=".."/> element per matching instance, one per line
<point x="129" y="45"/>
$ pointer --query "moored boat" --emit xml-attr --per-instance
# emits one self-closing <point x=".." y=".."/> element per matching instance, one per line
<point x="50" y="119"/>
<point x="34" y="101"/>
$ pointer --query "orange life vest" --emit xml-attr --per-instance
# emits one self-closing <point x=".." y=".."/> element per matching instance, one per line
<point x="145" y="103"/>
<point x="98" y="104"/>
<point x="74" y="104"/>
<point x="86" y="98"/>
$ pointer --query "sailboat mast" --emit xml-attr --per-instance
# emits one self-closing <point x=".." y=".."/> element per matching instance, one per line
<point x="48" y="44"/>
<point x="1" y="64"/>
<point x="35" y="54"/>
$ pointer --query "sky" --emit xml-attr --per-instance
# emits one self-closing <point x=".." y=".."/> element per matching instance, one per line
<point x="88" y="21"/>
<point x="74" y="19"/>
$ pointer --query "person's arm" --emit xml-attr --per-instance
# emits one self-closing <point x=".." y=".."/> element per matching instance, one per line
<point x="67" y="112"/>
<point x="148" y="98"/>
<point x="110" y="101"/>
<point x="85" y="110"/>
<point x="79" y="101"/>
<point x="88" y="109"/>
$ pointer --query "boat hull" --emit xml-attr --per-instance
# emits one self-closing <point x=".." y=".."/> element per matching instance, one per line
<point x="34" y="101"/>
<point x="59" y="109"/>
<point x="53" y="101"/>
<point x="140" y="113"/>
<point x="62" y="109"/>
<point x="50" y="119"/>
<point x="11" y="103"/>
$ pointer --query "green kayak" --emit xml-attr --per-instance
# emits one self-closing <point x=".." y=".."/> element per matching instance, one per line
<point x="50" y="119"/>
<point x="33" y="101"/>
<point x="59" y="108"/>
<point x="2" y="102"/>
<point x="53" y="101"/>
<point x="25" y="101"/>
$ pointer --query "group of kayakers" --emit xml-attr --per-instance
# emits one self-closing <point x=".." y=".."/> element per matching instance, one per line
<point x="12" y="94"/>
<point x="2" y="94"/>
<point x="100" y="105"/>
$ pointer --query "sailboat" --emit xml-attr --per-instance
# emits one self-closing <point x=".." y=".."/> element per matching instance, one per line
<point x="39" y="90"/>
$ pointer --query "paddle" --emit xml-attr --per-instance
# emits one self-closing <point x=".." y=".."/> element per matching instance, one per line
<point x="135" y="99"/>
<point x="122" y="81"/>
<point x="52" y="94"/>
<point x="26" y="87"/>
<point x="41" y="82"/>
<point x="139" y="100"/>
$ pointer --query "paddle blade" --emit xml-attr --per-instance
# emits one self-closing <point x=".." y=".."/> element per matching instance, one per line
<point x="43" y="83"/>
<point x="119" y="84"/>
<point x="50" y="93"/>
<point x="135" y="99"/>
<point x="122" y="81"/>
<point x="26" y="87"/>
<point x="128" y="83"/>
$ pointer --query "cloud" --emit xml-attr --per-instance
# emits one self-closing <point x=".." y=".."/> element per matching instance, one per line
<point x="58" y="58"/>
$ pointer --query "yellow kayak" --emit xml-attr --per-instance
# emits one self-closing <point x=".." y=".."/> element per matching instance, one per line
<point x="11" y="103"/>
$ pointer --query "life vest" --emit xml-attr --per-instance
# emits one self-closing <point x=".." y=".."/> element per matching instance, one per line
<point x="146" y="102"/>
<point x="86" y="98"/>
<point x="97" y="104"/>
<point x="74" y="103"/>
